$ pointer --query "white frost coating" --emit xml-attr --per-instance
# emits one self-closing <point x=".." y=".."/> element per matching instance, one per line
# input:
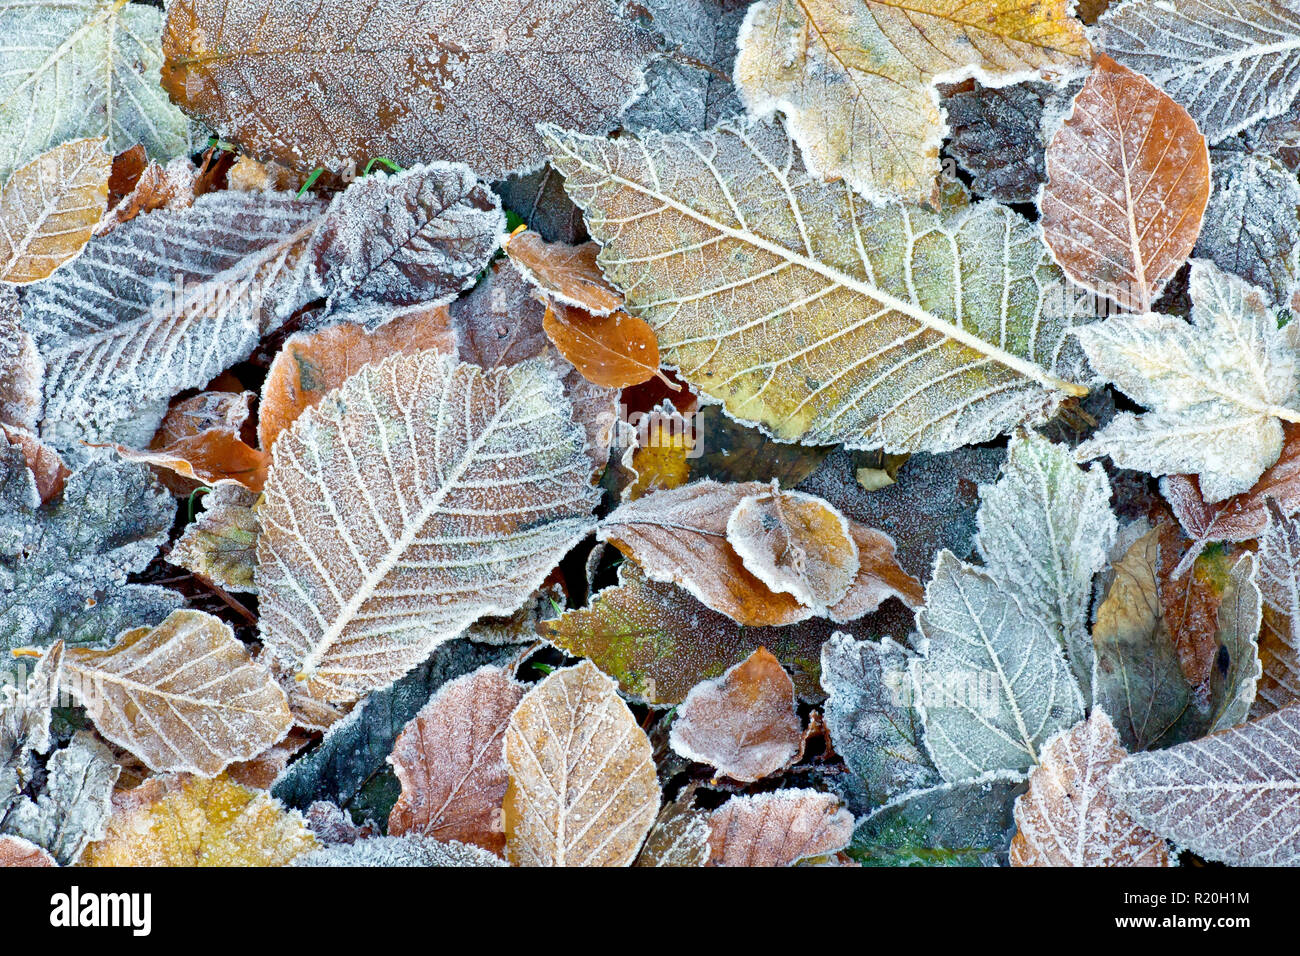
<point x="410" y="850"/>
<point x="1279" y="583"/>
<point x="163" y="303"/>
<point x="420" y="496"/>
<point x="1216" y="386"/>
<point x="1045" y="530"/>
<point x="1238" y="632"/>
<point x="993" y="684"/>
<point x="1230" y="63"/>
<point x="1233" y="796"/>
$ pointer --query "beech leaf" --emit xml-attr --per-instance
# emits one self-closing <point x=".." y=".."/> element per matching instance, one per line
<point x="777" y="829"/>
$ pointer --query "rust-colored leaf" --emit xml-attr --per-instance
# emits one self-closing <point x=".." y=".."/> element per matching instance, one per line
<point x="568" y="274"/>
<point x="614" y="350"/>
<point x="46" y="466"/>
<point x="778" y="829"/>
<point x="15" y="851"/>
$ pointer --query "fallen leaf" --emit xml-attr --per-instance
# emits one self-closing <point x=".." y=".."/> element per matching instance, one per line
<point x="47" y="468"/>
<point x="15" y="851"/>
<point x="680" y="838"/>
<point x="995" y="134"/>
<point x="777" y="829"/>
<point x="409" y="850"/>
<point x="221" y="543"/>
<point x="1279" y="639"/>
<point x="614" y="350"/>
<point x="566" y="274"/>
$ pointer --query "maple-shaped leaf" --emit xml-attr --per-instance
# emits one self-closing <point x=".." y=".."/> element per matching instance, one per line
<point x="743" y="723"/>
<point x="1128" y="177"/>
<point x="582" y="788"/>
<point x="680" y="838"/>
<point x="407" y="850"/>
<point x="872" y="719"/>
<point x="993" y="685"/>
<point x="49" y="208"/>
<point x="1228" y="797"/>
<point x="417" y="237"/>
<point x="1252" y="223"/>
<point x="1216" y="386"/>
<point x="386" y="531"/>
<point x="1279" y="639"/>
<point x="614" y="350"/>
<point x="1045" y="530"/>
<point x="856" y="83"/>
<point x="335" y="86"/>
<point x="789" y="299"/>
<point x="450" y="762"/>
<point x="1231" y="64"/>
<point x="1068" y="817"/>
<point x="567" y="274"/>
<point x="995" y="134"/>
<point x="179" y="820"/>
<point x="83" y="68"/>
<point x="162" y="303"/>
<point x="221" y="542"/>
<point x="64" y="564"/>
<point x="15" y="851"/>
<point x="311" y="364"/>
<point x="777" y="829"/>
<point x="182" y="696"/>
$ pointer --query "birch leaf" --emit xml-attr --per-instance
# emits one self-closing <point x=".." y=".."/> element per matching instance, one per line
<point x="336" y="85"/>
<point x="743" y="723"/>
<point x="1045" y="529"/>
<point x="83" y="68"/>
<point x="1228" y="797"/>
<point x="582" y="788"/>
<point x="182" y="696"/>
<point x="221" y="543"/>
<point x="178" y="820"/>
<point x="856" y="82"/>
<point x="1238" y="634"/>
<point x="49" y="208"/>
<point x="777" y="829"/>
<point x="614" y="350"/>
<point x="1216" y="387"/>
<point x="788" y="300"/>
<point x="568" y="274"/>
<point x="1069" y="818"/>
<point x="1279" y="640"/>
<point x="1208" y="54"/>
<point x="993" y="685"/>
<point x="163" y="303"/>
<point x="450" y="762"/>
<point x="386" y="531"/>
<point x="410" y="850"/>
<point x="1128" y="177"/>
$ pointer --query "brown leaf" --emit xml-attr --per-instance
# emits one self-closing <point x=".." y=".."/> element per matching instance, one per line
<point x="449" y="760"/>
<point x="1279" y="635"/>
<point x="1190" y="603"/>
<point x="221" y="542"/>
<point x="778" y="829"/>
<point x="614" y="350"/>
<point x="15" y="851"/>
<point x="46" y="466"/>
<point x="743" y="723"/>
<point x="1128" y="180"/>
<point x="680" y="838"/>
<point x="151" y="187"/>
<point x="567" y="274"/>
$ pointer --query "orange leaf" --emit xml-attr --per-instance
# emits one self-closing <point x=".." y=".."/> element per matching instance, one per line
<point x="613" y="350"/>
<point x="566" y="273"/>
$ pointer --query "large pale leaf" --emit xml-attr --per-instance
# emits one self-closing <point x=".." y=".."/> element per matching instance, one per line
<point x="1230" y="62"/>
<point x="420" y="496"/>
<point x="182" y="696"/>
<point x="1230" y="797"/>
<point x="993" y="685"/>
<point x="821" y="317"/>
<point x="582" y="786"/>
<point x="855" y="81"/>
<point x="777" y="829"/>
<point x="1216" y="387"/>
<point x="79" y="68"/>
<point x="338" y="84"/>
<point x="49" y="208"/>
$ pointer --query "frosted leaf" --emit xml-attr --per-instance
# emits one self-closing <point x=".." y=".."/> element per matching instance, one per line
<point x="856" y="82"/>
<point x="63" y="565"/>
<point x="1228" y="797"/>
<point x="777" y="829"/>
<point x="1279" y="639"/>
<point x="993" y="684"/>
<point x="1234" y="686"/>
<point x="408" y="850"/>
<point x="1216" y="387"/>
<point x="43" y="461"/>
<point x="25" y="703"/>
<point x="564" y="273"/>
<point x="21" y="366"/>
<point x="680" y="838"/>
<point x="871" y="718"/>
<point x="179" y="820"/>
<point x="614" y="350"/>
<point x="163" y="303"/>
<point x="154" y="187"/>
<point x="1138" y="677"/>
<point x="1252" y="224"/>
<point x="73" y="807"/>
<point x="15" y="851"/>
<point x="788" y="299"/>
<point x="540" y="200"/>
<point x="1068" y="817"/>
<point x="1278" y="137"/>
<point x="743" y="723"/>
<point x="419" y="80"/>
<point x="582" y="786"/>
<point x="729" y="451"/>
<point x="417" y="237"/>
<point x="995" y="135"/>
<point x="49" y="207"/>
<point x="83" y="68"/>
<point x="1209" y="55"/>
<point x="1045" y="529"/>
<point x="450" y="762"/>
<point x="955" y="824"/>
<point x="221" y="542"/>
<point x="387" y="529"/>
<point x="182" y="696"/>
<point x="1128" y="176"/>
